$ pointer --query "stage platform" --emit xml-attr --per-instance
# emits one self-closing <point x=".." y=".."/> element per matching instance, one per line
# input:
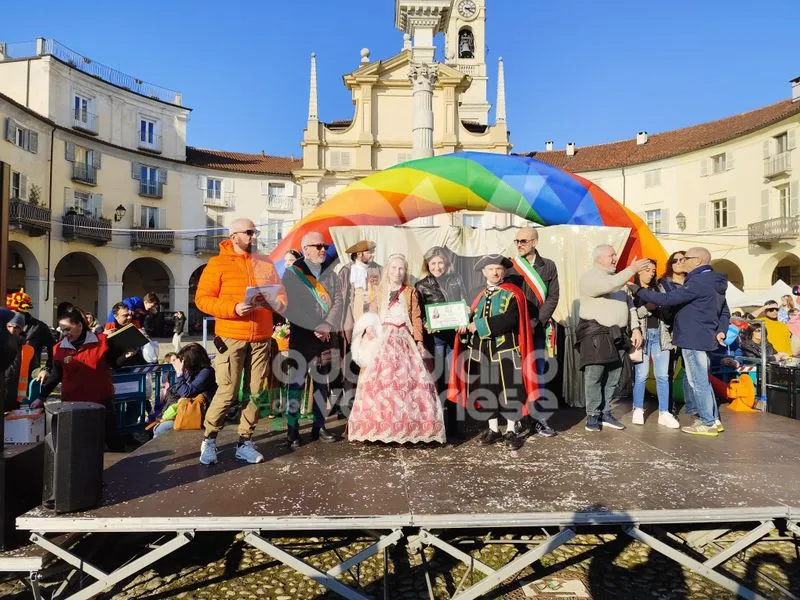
<point x="643" y="476"/>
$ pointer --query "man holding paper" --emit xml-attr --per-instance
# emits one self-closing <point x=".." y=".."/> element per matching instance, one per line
<point x="239" y="288"/>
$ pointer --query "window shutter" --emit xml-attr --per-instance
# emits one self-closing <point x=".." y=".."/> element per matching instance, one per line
<point x="96" y="160"/>
<point x="162" y="218"/>
<point x="335" y="159"/>
<point x="202" y="182"/>
<point x="728" y="161"/>
<point x="69" y="151"/>
<point x="26" y="138"/>
<point x="665" y="225"/>
<point x="265" y="188"/>
<point x="289" y="189"/>
<point x="97" y="205"/>
<point x="162" y="176"/>
<point x="229" y="186"/>
<point x="23" y="187"/>
<point x="69" y="199"/>
<point x="702" y="216"/>
<point x="790" y="141"/>
<point x="11" y="130"/>
<point x="136" y="171"/>
<point x="703" y="167"/>
<point x="345" y="160"/>
<point x="794" y="198"/>
<point x="764" y="205"/>
<point x="643" y="216"/>
<point x="33" y="142"/>
<point x="766" y="149"/>
<point x="732" y="211"/>
<point x="137" y="215"/>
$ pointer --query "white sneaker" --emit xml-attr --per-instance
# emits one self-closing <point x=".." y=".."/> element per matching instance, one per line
<point x="668" y="420"/>
<point x="638" y="416"/>
<point x="247" y="451"/>
<point x="718" y="426"/>
<point x="208" y="452"/>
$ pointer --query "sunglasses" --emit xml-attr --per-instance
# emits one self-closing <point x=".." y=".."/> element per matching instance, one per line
<point x="691" y="257"/>
<point x="676" y="261"/>
<point x="248" y="232"/>
<point x="318" y="247"/>
<point x="771" y="310"/>
<point x="522" y="242"/>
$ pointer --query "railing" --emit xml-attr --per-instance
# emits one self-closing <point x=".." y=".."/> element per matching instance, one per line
<point x="84" y="172"/>
<point x="154" y="146"/>
<point x="85" y="121"/>
<point x="50" y="46"/>
<point x="153" y="238"/>
<point x="773" y="230"/>
<point x="207" y="244"/>
<point x="224" y="201"/>
<point x="95" y="229"/>
<point x="470" y="70"/>
<point x="30" y="217"/>
<point x="777" y="164"/>
<point x="152" y="189"/>
<point x="279" y="202"/>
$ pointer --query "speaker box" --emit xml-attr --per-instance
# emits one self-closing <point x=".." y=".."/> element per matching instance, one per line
<point x="783" y="384"/>
<point x="73" y="456"/>
<point x="20" y="483"/>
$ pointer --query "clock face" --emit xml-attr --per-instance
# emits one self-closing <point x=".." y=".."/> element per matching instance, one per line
<point x="467" y="8"/>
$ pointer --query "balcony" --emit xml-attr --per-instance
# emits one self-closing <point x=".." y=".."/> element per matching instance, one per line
<point x="151" y="189"/>
<point x="280" y="203"/>
<point x="778" y="164"/>
<point x="766" y="233"/>
<point x="158" y="239"/>
<point x="28" y="217"/>
<point x="85" y="121"/>
<point x="84" y="227"/>
<point x="207" y="244"/>
<point x="223" y="201"/>
<point x="84" y="172"/>
<point x="148" y="146"/>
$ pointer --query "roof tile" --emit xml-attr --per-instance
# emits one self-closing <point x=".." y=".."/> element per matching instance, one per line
<point x="242" y="162"/>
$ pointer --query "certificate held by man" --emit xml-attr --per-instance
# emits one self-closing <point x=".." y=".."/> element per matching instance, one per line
<point x="444" y="316"/>
<point x="263" y="296"/>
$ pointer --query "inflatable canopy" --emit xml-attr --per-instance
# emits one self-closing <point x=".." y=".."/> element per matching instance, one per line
<point x="476" y="181"/>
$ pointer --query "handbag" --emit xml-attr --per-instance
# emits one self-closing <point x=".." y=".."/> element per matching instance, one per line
<point x="637" y="356"/>
<point x="191" y="412"/>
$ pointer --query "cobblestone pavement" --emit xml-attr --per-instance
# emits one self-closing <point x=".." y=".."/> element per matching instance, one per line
<point x="221" y="566"/>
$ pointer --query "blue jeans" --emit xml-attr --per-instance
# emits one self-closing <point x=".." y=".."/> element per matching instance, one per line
<point x="660" y="359"/>
<point x="163" y="427"/>
<point x="599" y="383"/>
<point x="697" y="391"/>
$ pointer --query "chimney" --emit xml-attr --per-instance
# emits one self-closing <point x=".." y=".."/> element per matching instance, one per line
<point x="548" y="146"/>
<point x="795" y="89"/>
<point x="570" y="148"/>
<point x="641" y="138"/>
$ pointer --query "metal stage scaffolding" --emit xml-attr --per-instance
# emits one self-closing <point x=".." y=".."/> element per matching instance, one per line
<point x="674" y="492"/>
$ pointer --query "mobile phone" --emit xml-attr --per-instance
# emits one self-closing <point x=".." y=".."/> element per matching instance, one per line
<point x="220" y="345"/>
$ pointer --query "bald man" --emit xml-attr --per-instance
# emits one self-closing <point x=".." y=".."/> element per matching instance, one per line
<point x="700" y="326"/>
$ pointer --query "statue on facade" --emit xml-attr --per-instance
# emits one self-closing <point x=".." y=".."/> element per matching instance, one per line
<point x="466" y="44"/>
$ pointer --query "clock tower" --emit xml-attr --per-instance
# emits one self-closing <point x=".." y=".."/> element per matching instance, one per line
<point x="465" y="49"/>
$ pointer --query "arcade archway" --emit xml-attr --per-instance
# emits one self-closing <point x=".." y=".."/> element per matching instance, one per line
<point x="730" y="269"/>
<point x="77" y="280"/>
<point x="147" y="274"/>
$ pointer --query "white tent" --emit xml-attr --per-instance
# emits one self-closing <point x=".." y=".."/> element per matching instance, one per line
<point x="758" y="298"/>
<point x="734" y="296"/>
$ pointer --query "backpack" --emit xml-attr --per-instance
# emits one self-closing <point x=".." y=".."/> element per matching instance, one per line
<point x="190" y="414"/>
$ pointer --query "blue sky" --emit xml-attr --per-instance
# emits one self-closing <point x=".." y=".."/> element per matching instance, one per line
<point x="582" y="71"/>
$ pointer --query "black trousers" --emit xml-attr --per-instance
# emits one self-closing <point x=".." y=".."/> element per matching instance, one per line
<point x="495" y="385"/>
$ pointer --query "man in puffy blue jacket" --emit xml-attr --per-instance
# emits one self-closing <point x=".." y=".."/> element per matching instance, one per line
<point x="700" y="326"/>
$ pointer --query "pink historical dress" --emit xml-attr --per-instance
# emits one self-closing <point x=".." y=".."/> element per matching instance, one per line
<point x="396" y="398"/>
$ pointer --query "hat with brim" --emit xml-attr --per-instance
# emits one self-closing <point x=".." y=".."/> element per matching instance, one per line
<point x="493" y="259"/>
<point x="362" y="246"/>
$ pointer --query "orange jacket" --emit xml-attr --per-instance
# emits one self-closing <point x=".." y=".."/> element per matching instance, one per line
<point x="222" y="286"/>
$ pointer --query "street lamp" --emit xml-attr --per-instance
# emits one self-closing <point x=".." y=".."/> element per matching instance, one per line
<point x="680" y="218"/>
<point x="119" y="213"/>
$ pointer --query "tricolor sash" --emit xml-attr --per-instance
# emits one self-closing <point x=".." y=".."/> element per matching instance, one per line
<point x="531" y="277"/>
<point x="315" y="287"/>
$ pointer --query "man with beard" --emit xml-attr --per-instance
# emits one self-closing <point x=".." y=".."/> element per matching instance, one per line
<point x="315" y="316"/>
<point x="243" y="333"/>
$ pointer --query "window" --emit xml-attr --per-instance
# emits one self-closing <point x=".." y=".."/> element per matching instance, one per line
<point x="652" y="178"/>
<point x="149" y="217"/>
<point x="83" y="116"/>
<point x="85" y="163"/>
<point x="721" y="214"/>
<point x="214" y="189"/>
<point x="654" y="220"/>
<point x="19" y="186"/>
<point x="781" y="143"/>
<point x="149" y="136"/>
<point x="276" y="189"/>
<point x="151" y="179"/>
<point x="473" y="221"/>
<point x="404" y="157"/>
<point x="26" y="139"/>
<point x="718" y="163"/>
<point x="339" y="159"/>
<point x="784" y="201"/>
<point x="85" y="204"/>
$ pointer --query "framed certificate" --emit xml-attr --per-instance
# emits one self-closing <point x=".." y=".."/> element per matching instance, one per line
<point x="446" y="315"/>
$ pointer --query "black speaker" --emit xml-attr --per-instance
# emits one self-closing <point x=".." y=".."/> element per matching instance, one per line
<point x="20" y="464"/>
<point x="783" y="385"/>
<point x="73" y="456"/>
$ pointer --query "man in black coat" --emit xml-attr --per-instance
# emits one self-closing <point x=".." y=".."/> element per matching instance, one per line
<point x="314" y="313"/>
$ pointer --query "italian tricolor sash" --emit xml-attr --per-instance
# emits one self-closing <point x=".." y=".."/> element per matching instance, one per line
<point x="317" y="290"/>
<point x="531" y="277"/>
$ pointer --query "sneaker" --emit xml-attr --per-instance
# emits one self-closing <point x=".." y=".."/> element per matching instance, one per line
<point x="638" y="416"/>
<point x="718" y="426"/>
<point x="610" y="420"/>
<point x="701" y="429"/>
<point x="542" y="429"/>
<point x="489" y="437"/>
<point x="208" y="452"/>
<point x="247" y="451"/>
<point x="513" y="441"/>
<point x="667" y="419"/>
<point x="594" y="423"/>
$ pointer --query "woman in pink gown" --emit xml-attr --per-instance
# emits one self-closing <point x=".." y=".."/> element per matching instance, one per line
<point x="396" y="397"/>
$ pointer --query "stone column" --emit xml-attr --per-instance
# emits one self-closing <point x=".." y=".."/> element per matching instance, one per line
<point x="108" y="294"/>
<point x="423" y="77"/>
<point x="179" y="298"/>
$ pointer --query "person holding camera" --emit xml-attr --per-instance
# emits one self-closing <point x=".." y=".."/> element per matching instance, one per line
<point x="243" y="333"/>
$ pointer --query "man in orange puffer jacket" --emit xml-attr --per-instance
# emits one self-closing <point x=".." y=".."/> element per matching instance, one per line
<point x="243" y="333"/>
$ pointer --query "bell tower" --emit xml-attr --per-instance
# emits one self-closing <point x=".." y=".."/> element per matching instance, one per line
<point x="465" y="49"/>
